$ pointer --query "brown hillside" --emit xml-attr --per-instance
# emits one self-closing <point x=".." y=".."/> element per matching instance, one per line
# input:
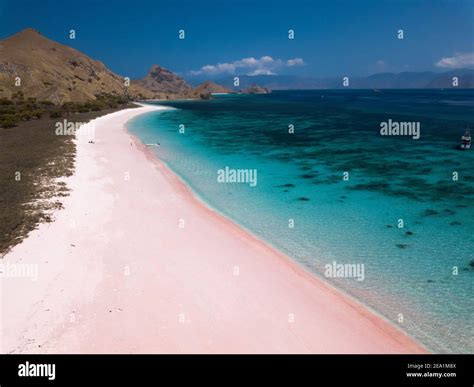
<point x="54" y="72"/>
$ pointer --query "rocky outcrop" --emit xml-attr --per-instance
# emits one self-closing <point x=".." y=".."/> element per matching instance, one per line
<point x="255" y="89"/>
<point x="204" y="90"/>
<point x="162" y="82"/>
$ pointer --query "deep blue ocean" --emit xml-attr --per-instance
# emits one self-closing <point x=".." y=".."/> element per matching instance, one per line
<point x="418" y="276"/>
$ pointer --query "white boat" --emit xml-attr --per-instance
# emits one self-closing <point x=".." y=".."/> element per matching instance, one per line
<point x="466" y="140"/>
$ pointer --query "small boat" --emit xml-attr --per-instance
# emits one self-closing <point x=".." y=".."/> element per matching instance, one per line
<point x="156" y="144"/>
<point x="466" y="140"/>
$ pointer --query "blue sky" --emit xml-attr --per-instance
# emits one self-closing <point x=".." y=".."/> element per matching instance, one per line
<point x="331" y="37"/>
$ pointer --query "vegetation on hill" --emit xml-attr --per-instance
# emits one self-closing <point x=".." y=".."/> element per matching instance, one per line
<point x="19" y="109"/>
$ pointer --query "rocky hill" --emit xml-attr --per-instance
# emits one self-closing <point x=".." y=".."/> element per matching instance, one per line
<point x="255" y="89"/>
<point x="207" y="88"/>
<point x="43" y="69"/>
<point x="49" y="71"/>
<point x="162" y="83"/>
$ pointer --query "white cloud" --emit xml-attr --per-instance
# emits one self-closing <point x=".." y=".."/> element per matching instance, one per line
<point x="295" y="62"/>
<point x="261" y="72"/>
<point x="265" y="65"/>
<point x="457" y="61"/>
<point x="217" y="69"/>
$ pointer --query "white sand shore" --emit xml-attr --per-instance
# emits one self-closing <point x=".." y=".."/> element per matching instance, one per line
<point x="116" y="273"/>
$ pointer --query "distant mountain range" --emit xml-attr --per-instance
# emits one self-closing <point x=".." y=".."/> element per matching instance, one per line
<point x="405" y="80"/>
<point x="49" y="71"/>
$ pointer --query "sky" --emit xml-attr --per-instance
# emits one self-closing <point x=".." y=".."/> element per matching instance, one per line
<point x="331" y="37"/>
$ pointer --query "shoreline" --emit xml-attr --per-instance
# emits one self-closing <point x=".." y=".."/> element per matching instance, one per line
<point x="194" y="196"/>
<point x="273" y="305"/>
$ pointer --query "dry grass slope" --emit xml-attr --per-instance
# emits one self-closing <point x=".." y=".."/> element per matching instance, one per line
<point x="50" y="71"/>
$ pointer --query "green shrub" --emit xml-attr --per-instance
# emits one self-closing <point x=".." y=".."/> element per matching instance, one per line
<point x="70" y="107"/>
<point x="25" y="116"/>
<point x="56" y="114"/>
<point x="37" y="113"/>
<point x="18" y="96"/>
<point x="8" y="120"/>
<point x="7" y="109"/>
<point x="5" y="101"/>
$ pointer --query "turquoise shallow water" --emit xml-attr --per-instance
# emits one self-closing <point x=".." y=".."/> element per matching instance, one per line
<point x="408" y="271"/>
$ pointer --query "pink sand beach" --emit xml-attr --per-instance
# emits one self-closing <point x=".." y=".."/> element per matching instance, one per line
<point x="135" y="263"/>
